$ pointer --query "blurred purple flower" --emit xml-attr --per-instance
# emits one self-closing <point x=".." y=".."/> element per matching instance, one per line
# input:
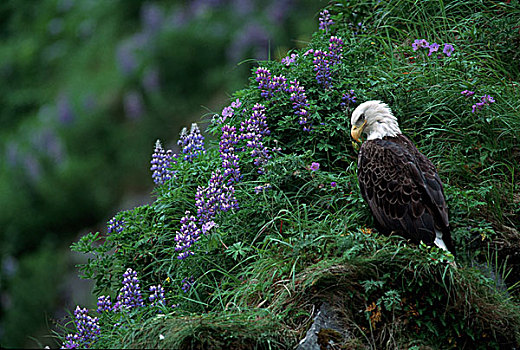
<point x="126" y="58"/>
<point x="434" y="47"/>
<point x="418" y="43"/>
<point x="242" y="7"/>
<point x="133" y="105"/>
<point x="484" y="100"/>
<point x="187" y="283"/>
<point x="289" y="59"/>
<point x="152" y="17"/>
<point x="65" y="113"/>
<point x="448" y="49"/>
<point x="314" y="166"/>
<point x="150" y="80"/>
<point x="467" y="93"/>
<point x="236" y="104"/>
<point x="333" y="184"/>
<point x="253" y="37"/>
<point x="32" y="167"/>
<point x="278" y="10"/>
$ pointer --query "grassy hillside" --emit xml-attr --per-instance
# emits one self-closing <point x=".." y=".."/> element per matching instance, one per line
<point x="260" y="219"/>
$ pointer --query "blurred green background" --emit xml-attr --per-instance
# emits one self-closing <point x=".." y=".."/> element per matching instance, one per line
<point x="86" y="87"/>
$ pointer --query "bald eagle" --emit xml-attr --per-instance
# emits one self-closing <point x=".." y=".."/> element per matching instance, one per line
<point x="400" y="185"/>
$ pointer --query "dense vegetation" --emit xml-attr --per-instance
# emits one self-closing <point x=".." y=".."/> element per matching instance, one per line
<point x="259" y="220"/>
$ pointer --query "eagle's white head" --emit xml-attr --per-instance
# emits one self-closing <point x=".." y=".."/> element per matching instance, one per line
<point x="375" y="119"/>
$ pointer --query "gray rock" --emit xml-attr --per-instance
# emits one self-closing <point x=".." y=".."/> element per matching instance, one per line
<point x="325" y="332"/>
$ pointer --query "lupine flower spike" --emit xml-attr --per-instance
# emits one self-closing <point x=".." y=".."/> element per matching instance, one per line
<point x="87" y="331"/>
<point x="157" y="296"/>
<point x="192" y="144"/>
<point x="325" y="21"/>
<point x="161" y="163"/>
<point x="129" y="296"/>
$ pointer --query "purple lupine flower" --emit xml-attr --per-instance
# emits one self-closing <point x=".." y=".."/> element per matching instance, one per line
<point x="161" y="163"/>
<point x="448" y="49"/>
<point x="192" y="144"/>
<point x="325" y="21"/>
<point x="188" y="234"/>
<point x="434" y="47"/>
<point x="289" y="59"/>
<point x="236" y="104"/>
<point x="207" y="226"/>
<point x="278" y="83"/>
<point x="300" y="103"/>
<point x="253" y="130"/>
<point x="484" y="100"/>
<point x="104" y="304"/>
<point x="335" y="49"/>
<point x="116" y="226"/>
<point x="157" y="298"/>
<point x="230" y="159"/>
<point x="229" y="111"/>
<point x="333" y="184"/>
<point x="262" y="188"/>
<point x="418" y="43"/>
<point x="129" y="296"/>
<point x="263" y="76"/>
<point x="87" y="330"/>
<point x="347" y="98"/>
<point x="324" y="60"/>
<point x="358" y="28"/>
<point x="218" y="196"/>
<point x="322" y="68"/>
<point x="314" y="166"/>
<point x="308" y="52"/>
<point x="187" y="283"/>
<point x="487" y="99"/>
<point x="467" y="93"/>
<point x="269" y="85"/>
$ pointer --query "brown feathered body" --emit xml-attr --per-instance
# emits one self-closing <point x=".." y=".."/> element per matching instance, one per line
<point x="403" y="190"/>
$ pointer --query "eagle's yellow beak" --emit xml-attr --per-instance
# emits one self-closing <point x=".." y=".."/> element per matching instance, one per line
<point x="356" y="131"/>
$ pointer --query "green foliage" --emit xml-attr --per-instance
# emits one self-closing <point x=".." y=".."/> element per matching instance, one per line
<point x="307" y="238"/>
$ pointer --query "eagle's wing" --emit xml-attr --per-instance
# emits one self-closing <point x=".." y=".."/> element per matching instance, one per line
<point x="403" y="194"/>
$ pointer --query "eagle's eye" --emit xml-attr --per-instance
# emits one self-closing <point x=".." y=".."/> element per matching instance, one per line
<point x="361" y="118"/>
